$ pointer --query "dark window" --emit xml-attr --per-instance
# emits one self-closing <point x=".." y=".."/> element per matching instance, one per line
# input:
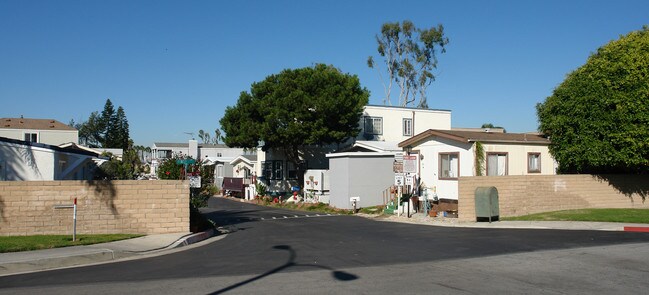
<point x="272" y="169"/>
<point x="291" y="170"/>
<point x="31" y="137"/>
<point x="373" y="125"/>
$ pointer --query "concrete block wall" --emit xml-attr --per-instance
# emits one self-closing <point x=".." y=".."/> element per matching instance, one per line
<point x="103" y="207"/>
<point x="522" y="195"/>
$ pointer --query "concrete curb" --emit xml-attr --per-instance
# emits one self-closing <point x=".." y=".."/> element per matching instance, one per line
<point x="192" y="238"/>
<point x="85" y="255"/>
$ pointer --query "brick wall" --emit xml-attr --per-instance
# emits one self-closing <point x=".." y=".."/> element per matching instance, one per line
<point x="522" y="195"/>
<point x="125" y="206"/>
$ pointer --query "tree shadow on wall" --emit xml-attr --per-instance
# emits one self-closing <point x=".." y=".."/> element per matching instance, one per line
<point x="629" y="185"/>
<point x="107" y="193"/>
<point x="2" y="209"/>
<point x="24" y="160"/>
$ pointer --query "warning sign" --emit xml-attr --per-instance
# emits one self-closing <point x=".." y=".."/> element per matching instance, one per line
<point x="410" y="164"/>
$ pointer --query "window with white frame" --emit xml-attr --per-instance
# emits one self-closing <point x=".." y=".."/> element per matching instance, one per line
<point x="449" y="165"/>
<point x="533" y="162"/>
<point x="496" y="164"/>
<point x="278" y="170"/>
<point x="272" y="169"/>
<point x="31" y="137"/>
<point x="373" y="125"/>
<point x="407" y="127"/>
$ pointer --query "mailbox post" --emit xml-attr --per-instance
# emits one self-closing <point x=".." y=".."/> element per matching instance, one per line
<point x="74" y="217"/>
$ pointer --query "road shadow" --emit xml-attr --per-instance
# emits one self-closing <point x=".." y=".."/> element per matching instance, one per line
<point x="226" y="218"/>
<point x="336" y="274"/>
<point x="629" y="185"/>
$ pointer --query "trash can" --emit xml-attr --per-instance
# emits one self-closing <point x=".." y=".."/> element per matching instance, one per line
<point x="486" y="204"/>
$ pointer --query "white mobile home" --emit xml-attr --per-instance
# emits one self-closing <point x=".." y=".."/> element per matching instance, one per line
<point x="445" y="155"/>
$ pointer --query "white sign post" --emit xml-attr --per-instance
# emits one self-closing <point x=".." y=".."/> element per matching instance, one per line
<point x="399" y="179"/>
<point x="355" y="201"/>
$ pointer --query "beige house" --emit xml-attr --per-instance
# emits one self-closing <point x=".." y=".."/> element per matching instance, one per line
<point x="45" y="131"/>
<point x="444" y="155"/>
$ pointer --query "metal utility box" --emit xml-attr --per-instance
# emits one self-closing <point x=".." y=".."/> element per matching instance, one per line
<point x="486" y="204"/>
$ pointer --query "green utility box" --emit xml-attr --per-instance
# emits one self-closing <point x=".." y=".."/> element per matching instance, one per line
<point x="486" y="204"/>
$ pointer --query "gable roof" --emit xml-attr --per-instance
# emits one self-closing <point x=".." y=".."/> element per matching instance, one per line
<point x="249" y="159"/>
<point x="37" y="124"/>
<point x="473" y="136"/>
<point x="373" y="146"/>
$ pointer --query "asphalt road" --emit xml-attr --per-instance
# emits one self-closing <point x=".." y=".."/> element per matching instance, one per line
<point x="274" y="251"/>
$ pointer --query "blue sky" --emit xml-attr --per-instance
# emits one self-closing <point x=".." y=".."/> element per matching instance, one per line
<point x="175" y="65"/>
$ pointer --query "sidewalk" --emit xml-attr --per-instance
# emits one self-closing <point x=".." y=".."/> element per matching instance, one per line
<point x="419" y="218"/>
<point x="28" y="261"/>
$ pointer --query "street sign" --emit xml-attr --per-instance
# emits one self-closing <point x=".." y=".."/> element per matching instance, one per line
<point x="185" y="161"/>
<point x="397" y="167"/>
<point x="399" y="179"/>
<point x="410" y="180"/>
<point x="195" y="181"/>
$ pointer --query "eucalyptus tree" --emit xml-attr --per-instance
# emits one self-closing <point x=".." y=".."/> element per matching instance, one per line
<point x="410" y="57"/>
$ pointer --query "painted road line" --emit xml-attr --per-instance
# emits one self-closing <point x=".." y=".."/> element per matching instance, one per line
<point x="637" y="229"/>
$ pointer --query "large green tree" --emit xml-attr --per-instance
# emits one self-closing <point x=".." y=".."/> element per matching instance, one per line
<point x="296" y="108"/>
<point x="598" y="118"/>
<point x="108" y="129"/>
<point x="410" y="57"/>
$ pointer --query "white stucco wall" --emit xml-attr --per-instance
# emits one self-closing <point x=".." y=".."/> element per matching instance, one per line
<point x="423" y="119"/>
<point x="430" y="164"/>
<point x="517" y="157"/>
<point x="448" y="188"/>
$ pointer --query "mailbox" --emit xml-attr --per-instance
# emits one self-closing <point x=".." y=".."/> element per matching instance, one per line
<point x="486" y="204"/>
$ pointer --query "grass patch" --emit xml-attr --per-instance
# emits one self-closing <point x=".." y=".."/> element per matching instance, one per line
<point x="29" y="243"/>
<point x="600" y="215"/>
<point x="373" y="210"/>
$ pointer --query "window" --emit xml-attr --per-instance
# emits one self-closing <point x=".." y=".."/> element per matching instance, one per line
<point x="219" y="155"/>
<point x="291" y="170"/>
<point x="496" y="164"/>
<point x="533" y="162"/>
<point x="62" y="165"/>
<point x="449" y="165"/>
<point x="272" y="169"/>
<point x="407" y="127"/>
<point x="219" y="171"/>
<point x="373" y="125"/>
<point x="3" y="173"/>
<point x="163" y="154"/>
<point x="31" y="137"/>
<point x="278" y="169"/>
